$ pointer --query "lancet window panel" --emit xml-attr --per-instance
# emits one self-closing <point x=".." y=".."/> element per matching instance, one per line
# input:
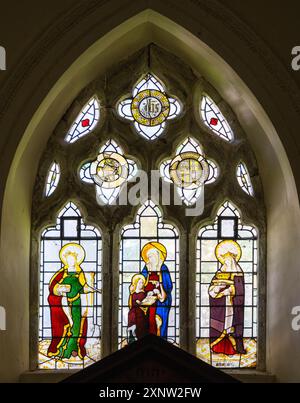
<point x="149" y="273"/>
<point x="226" y="291"/>
<point x="70" y="307"/>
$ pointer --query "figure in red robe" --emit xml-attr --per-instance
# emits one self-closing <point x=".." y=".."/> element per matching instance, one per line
<point x="68" y="322"/>
<point x="138" y="316"/>
<point x="142" y="318"/>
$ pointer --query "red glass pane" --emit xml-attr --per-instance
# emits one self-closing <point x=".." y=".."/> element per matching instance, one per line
<point x="85" y="122"/>
<point x="214" y="121"/>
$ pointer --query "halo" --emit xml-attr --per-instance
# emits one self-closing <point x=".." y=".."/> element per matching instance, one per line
<point x="153" y="245"/>
<point x="138" y="276"/>
<point x="228" y="246"/>
<point x="72" y="248"/>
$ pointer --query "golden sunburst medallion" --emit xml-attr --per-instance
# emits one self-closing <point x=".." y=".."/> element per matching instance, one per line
<point x="189" y="170"/>
<point x="110" y="170"/>
<point x="150" y="107"/>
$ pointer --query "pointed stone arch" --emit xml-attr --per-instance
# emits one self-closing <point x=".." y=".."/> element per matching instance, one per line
<point x="36" y="125"/>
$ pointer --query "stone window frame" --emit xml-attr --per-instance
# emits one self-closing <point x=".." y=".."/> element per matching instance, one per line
<point x="181" y="81"/>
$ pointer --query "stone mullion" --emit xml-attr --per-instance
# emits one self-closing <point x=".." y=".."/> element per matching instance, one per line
<point x="115" y="237"/>
<point x="183" y="291"/>
<point x="191" y="294"/>
<point x="106" y="295"/>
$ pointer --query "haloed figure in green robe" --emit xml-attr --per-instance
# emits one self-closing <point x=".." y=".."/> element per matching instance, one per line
<point x="69" y="324"/>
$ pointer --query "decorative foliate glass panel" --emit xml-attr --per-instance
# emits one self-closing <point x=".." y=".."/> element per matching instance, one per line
<point x="53" y="177"/>
<point x="150" y="107"/>
<point x="149" y="278"/>
<point x="189" y="170"/>
<point x="214" y="119"/>
<point x="70" y="293"/>
<point x="85" y="122"/>
<point x="108" y="172"/>
<point x="243" y="178"/>
<point x="226" y="291"/>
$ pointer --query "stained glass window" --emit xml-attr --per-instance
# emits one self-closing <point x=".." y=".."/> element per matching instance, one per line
<point x="52" y="179"/>
<point x="150" y="107"/>
<point x="145" y="247"/>
<point x="149" y="278"/>
<point x="70" y="293"/>
<point x="214" y="119"/>
<point x="189" y="170"/>
<point x="108" y="172"/>
<point x="85" y="122"/>
<point x="243" y="178"/>
<point x="226" y="291"/>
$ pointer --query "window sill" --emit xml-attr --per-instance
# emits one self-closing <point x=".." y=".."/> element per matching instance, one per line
<point x="49" y="376"/>
<point x="251" y="376"/>
<point x="45" y="376"/>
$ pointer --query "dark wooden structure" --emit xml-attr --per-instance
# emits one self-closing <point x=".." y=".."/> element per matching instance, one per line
<point x="150" y="360"/>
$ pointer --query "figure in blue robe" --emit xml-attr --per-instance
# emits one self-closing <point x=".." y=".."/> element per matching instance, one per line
<point x="162" y="308"/>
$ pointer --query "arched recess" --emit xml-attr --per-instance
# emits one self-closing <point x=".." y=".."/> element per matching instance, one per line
<point x="275" y="170"/>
